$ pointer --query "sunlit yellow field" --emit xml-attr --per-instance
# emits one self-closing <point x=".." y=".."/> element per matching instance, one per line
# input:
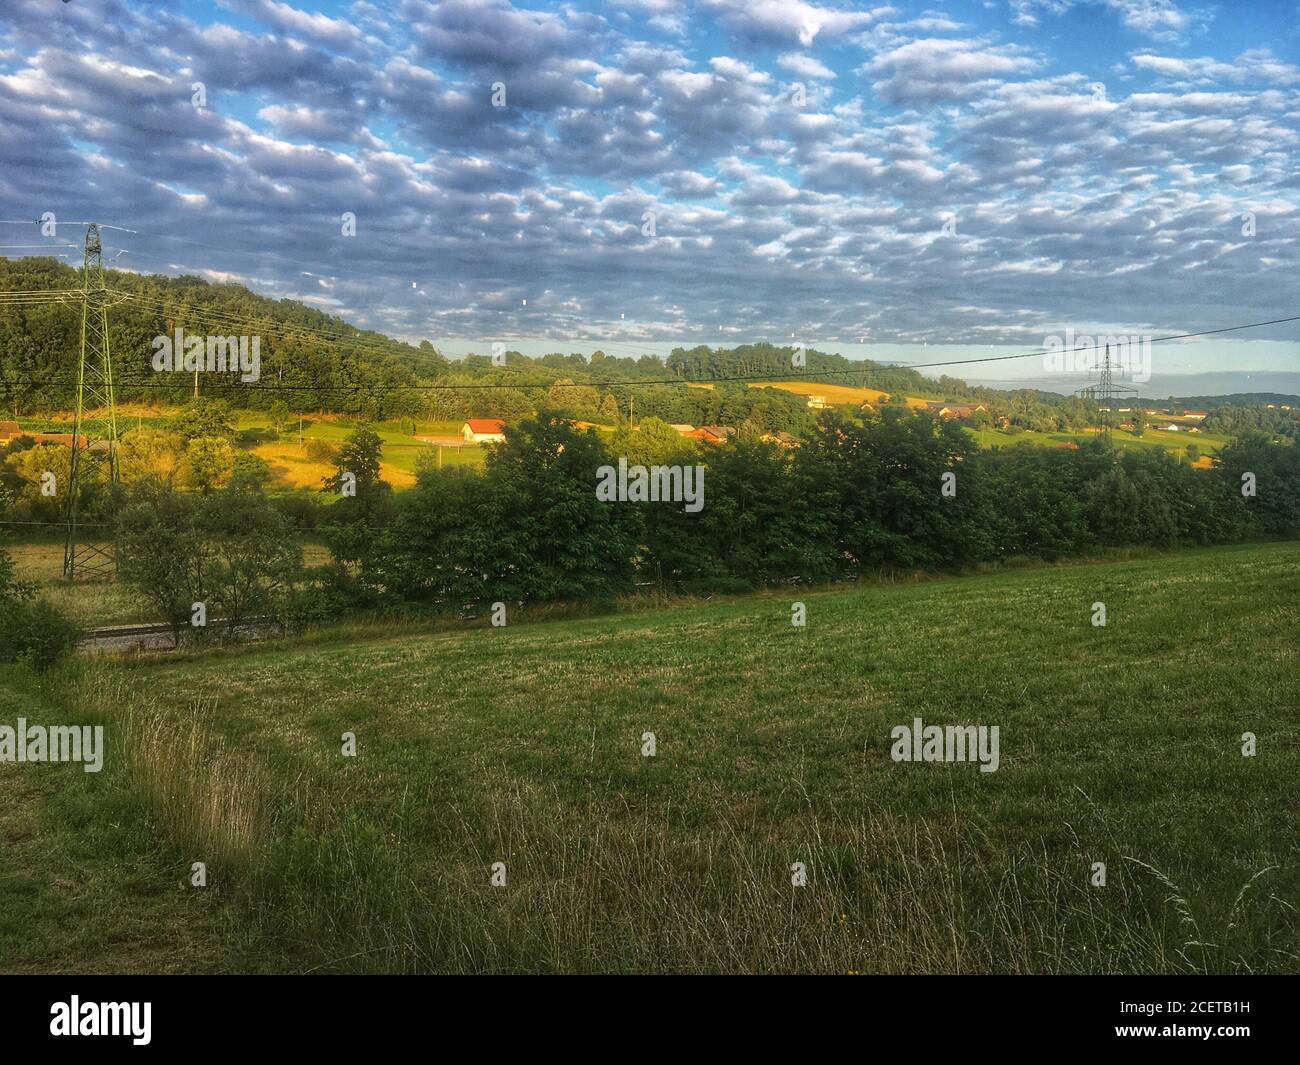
<point x="291" y="468"/>
<point x="836" y="395"/>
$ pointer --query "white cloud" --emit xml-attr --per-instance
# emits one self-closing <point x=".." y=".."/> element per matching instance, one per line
<point x="936" y="69"/>
<point x="769" y="215"/>
<point x="1256" y="64"/>
<point x="805" y="66"/>
<point x="789" y="20"/>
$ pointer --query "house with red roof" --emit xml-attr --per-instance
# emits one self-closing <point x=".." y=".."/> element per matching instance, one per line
<point x="483" y="431"/>
<point x="713" y="434"/>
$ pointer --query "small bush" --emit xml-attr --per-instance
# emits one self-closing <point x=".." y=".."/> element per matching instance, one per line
<point x="36" y="633"/>
<point x="320" y="450"/>
<point x="12" y="589"/>
<point x="328" y="594"/>
<point x="301" y="510"/>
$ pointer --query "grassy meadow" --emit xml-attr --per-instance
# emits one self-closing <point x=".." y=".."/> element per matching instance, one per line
<point x="90" y="603"/>
<point x="1175" y="443"/>
<point x="836" y="395"/>
<point x="291" y="467"/>
<point x="523" y="745"/>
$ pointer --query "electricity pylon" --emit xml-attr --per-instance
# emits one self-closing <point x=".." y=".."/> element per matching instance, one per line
<point x="1106" y="393"/>
<point x="94" y="434"/>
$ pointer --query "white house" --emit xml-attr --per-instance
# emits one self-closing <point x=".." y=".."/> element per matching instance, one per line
<point x="483" y="431"/>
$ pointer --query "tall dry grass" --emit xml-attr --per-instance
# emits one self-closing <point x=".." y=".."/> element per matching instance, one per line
<point x="323" y="884"/>
<point x="207" y="797"/>
<point x="599" y="887"/>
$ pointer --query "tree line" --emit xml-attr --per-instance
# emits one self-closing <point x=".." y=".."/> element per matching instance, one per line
<point x="893" y="492"/>
<point x="856" y="498"/>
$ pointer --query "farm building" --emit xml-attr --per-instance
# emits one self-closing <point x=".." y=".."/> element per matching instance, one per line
<point x="483" y="431"/>
<point x="9" y="431"/>
<point x="955" y="410"/>
<point x="781" y="439"/>
<point x="714" y="434"/>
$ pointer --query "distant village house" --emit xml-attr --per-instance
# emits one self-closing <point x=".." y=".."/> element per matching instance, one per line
<point x="714" y="434"/>
<point x="483" y="431"/>
<point x="955" y="410"/>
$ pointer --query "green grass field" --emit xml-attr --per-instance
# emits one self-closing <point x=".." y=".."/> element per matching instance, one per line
<point x="1175" y="443"/>
<point x="292" y="469"/>
<point x="1119" y="744"/>
<point x="89" y="603"/>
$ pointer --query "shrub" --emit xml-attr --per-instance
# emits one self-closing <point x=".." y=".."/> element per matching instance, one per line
<point x="327" y="593"/>
<point x="208" y="463"/>
<point x="231" y="550"/>
<point x="11" y="588"/>
<point x="302" y="511"/>
<point x="36" y="633"/>
<point x="320" y="450"/>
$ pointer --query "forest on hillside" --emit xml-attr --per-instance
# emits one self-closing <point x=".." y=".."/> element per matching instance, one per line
<point x="313" y="361"/>
<point x="320" y="359"/>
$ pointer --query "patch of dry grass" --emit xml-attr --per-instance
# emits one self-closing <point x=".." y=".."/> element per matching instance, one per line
<point x="205" y="795"/>
<point x="290" y="467"/>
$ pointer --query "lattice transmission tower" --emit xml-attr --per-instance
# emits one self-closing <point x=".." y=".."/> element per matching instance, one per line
<point x="1107" y="393"/>
<point x="94" y="430"/>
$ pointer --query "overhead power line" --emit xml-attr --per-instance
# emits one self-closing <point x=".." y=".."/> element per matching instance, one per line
<point x="61" y="222"/>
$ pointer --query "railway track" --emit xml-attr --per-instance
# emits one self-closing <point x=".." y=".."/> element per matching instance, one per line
<point x="157" y="636"/>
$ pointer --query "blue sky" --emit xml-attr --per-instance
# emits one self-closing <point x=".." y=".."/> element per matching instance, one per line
<point x="939" y="180"/>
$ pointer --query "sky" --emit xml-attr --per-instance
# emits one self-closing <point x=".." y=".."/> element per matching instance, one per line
<point x="904" y="182"/>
